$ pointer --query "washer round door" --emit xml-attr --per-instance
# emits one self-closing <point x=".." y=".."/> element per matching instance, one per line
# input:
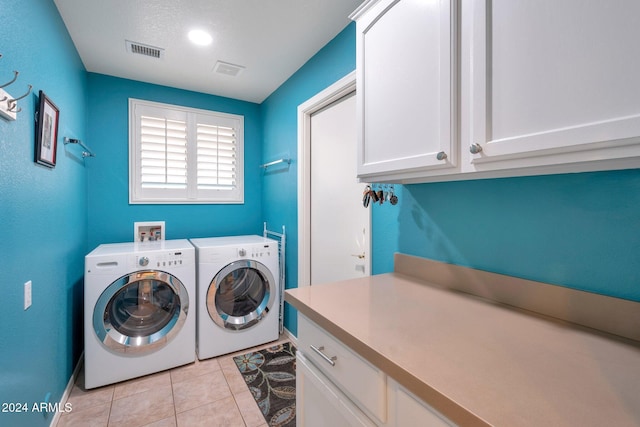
<point x="141" y="312"/>
<point x="241" y="294"/>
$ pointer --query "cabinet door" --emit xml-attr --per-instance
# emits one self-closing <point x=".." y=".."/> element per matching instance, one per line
<point x="551" y="83"/>
<point x="411" y="412"/>
<point x="405" y="87"/>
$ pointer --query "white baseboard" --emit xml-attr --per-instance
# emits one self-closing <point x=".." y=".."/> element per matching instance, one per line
<point x="67" y="391"/>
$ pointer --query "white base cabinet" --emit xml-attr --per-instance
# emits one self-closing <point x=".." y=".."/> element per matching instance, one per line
<point x="542" y="87"/>
<point x="336" y="387"/>
<point x="319" y="403"/>
<point x="409" y="411"/>
<point x="360" y="381"/>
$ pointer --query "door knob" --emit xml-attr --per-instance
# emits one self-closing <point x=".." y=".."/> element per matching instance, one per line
<point x="475" y="148"/>
<point x="360" y="256"/>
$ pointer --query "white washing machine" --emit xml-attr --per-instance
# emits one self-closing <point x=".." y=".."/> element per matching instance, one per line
<point x="139" y="309"/>
<point x="238" y="293"/>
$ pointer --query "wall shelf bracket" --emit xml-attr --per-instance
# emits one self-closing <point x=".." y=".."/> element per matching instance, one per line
<point x="276" y="162"/>
<point x="87" y="151"/>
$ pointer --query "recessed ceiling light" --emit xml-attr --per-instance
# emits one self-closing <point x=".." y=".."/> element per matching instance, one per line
<point x="199" y="37"/>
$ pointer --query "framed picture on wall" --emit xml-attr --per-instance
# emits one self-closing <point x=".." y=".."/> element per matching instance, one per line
<point x="46" y="132"/>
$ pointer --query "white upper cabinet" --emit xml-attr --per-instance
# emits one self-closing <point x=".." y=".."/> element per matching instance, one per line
<point x="551" y="82"/>
<point x="545" y="86"/>
<point x="405" y="87"/>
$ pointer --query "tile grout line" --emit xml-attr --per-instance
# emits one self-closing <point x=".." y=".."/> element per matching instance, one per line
<point x="227" y="374"/>
<point x="110" y="408"/>
<point x="173" y="398"/>
<point x="233" y="395"/>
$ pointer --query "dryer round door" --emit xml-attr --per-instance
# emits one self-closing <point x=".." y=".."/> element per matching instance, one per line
<point x="241" y="294"/>
<point x="141" y="312"/>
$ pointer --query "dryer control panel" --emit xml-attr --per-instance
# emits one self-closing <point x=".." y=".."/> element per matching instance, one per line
<point x="256" y="251"/>
<point x="158" y="260"/>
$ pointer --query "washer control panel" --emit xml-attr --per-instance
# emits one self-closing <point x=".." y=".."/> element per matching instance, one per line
<point x="159" y="260"/>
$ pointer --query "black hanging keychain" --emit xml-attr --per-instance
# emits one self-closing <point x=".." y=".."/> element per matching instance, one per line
<point x="366" y="196"/>
<point x="374" y="196"/>
<point x="393" y="199"/>
<point x="379" y="196"/>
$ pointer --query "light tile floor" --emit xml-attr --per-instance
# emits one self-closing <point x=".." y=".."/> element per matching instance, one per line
<point x="210" y="392"/>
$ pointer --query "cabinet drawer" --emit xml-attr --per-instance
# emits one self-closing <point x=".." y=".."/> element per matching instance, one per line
<point x="361" y="381"/>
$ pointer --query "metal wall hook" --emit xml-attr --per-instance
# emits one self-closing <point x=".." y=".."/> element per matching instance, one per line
<point x="13" y="103"/>
<point x="23" y="96"/>
<point x="15" y="77"/>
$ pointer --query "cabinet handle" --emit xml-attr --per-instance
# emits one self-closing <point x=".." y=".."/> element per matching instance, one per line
<point x="330" y="360"/>
<point x="441" y="155"/>
<point x="475" y="148"/>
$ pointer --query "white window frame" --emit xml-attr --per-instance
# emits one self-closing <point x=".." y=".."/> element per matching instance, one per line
<point x="192" y="117"/>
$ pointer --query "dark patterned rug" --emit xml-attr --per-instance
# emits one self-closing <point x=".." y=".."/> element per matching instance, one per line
<point x="271" y="377"/>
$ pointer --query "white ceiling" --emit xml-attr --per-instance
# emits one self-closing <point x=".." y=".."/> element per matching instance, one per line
<point x="270" y="38"/>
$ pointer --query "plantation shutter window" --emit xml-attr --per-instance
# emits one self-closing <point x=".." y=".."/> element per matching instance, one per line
<point x="184" y="155"/>
<point x="163" y="153"/>
<point x="216" y="157"/>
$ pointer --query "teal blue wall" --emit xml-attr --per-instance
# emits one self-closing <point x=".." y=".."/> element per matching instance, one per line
<point x="110" y="215"/>
<point x="280" y="129"/>
<point x="42" y="212"/>
<point x="280" y="132"/>
<point x="576" y="230"/>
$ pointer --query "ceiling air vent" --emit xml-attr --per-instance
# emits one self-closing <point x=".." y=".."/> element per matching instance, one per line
<point x="143" y="49"/>
<point x="227" y="68"/>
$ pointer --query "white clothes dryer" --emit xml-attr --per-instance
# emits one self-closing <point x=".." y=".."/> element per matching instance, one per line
<point x="139" y="309"/>
<point x="238" y="293"/>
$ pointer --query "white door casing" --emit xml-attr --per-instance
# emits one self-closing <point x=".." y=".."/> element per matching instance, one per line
<point x="354" y="242"/>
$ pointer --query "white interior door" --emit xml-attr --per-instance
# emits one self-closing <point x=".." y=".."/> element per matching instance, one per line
<point x="339" y="224"/>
